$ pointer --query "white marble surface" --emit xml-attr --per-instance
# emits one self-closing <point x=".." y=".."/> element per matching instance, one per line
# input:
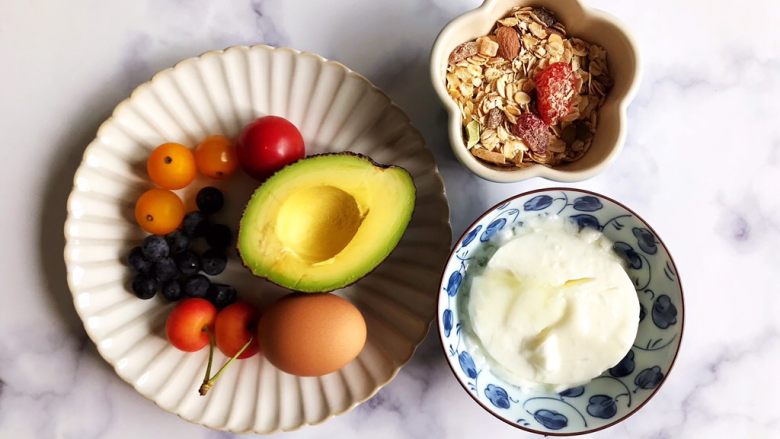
<point x="701" y="164"/>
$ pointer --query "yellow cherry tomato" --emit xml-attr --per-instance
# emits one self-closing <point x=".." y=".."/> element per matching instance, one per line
<point x="159" y="211"/>
<point x="216" y="157"/>
<point x="171" y="166"/>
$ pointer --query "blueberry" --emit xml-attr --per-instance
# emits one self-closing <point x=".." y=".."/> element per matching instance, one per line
<point x="209" y="200"/>
<point x="137" y="261"/>
<point x="195" y="224"/>
<point x="196" y="286"/>
<point x="178" y="242"/>
<point x="154" y="248"/>
<point x="213" y="262"/>
<point x="172" y="290"/>
<point x="144" y="286"/>
<point x="165" y="270"/>
<point x="188" y="263"/>
<point x="222" y="295"/>
<point x="219" y="236"/>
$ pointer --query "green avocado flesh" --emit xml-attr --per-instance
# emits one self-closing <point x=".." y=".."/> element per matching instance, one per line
<point x="326" y="221"/>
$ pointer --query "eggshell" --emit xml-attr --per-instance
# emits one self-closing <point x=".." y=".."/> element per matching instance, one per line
<point x="311" y="334"/>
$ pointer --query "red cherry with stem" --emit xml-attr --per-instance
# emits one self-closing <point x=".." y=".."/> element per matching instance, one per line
<point x="190" y="327"/>
<point x="234" y="327"/>
<point x="190" y="323"/>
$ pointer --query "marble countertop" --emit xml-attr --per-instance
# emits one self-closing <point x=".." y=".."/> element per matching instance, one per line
<point x="701" y="164"/>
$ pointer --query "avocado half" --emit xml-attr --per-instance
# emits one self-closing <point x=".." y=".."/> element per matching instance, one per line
<point x="325" y="221"/>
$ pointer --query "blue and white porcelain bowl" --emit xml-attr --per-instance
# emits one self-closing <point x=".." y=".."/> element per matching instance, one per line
<point x="618" y="392"/>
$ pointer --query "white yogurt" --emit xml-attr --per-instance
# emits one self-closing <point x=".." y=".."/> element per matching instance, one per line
<point x="554" y="307"/>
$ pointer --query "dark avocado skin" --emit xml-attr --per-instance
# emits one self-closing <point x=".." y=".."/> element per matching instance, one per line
<point x="344" y="153"/>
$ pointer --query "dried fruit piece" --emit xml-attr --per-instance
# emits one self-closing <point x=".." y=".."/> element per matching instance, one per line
<point x="569" y="134"/>
<point x="494" y="119"/>
<point x="532" y="131"/>
<point x="508" y="42"/>
<point x="544" y="16"/>
<point x="583" y="130"/>
<point x="555" y="92"/>
<point x="472" y="131"/>
<point x="522" y="98"/>
<point x="487" y="47"/>
<point x="463" y="51"/>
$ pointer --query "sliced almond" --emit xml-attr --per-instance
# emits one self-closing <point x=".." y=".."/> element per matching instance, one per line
<point x="501" y="86"/>
<point x="478" y="60"/>
<point x="502" y="133"/>
<point x="537" y="30"/>
<point x="510" y="117"/>
<point x="529" y="41"/>
<point x="555" y="39"/>
<point x="466" y="89"/>
<point x="522" y="98"/>
<point x="489" y="156"/>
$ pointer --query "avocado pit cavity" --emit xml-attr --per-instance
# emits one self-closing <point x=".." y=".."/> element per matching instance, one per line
<point x="316" y="223"/>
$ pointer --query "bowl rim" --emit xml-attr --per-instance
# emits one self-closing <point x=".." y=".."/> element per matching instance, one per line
<point x="554" y="174"/>
<point x="199" y="57"/>
<point x="438" y="310"/>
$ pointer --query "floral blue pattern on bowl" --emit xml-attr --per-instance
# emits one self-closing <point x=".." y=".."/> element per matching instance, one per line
<point x="619" y="391"/>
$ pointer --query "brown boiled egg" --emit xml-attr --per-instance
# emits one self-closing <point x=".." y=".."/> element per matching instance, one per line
<point x="311" y="334"/>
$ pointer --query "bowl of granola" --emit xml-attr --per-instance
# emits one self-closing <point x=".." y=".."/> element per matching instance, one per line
<point x="535" y="88"/>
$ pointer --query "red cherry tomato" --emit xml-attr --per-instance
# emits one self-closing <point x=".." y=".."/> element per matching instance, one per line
<point x="267" y="145"/>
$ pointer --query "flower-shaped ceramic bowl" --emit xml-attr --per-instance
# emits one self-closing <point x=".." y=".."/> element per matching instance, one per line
<point x="592" y="25"/>
<point x="618" y="392"/>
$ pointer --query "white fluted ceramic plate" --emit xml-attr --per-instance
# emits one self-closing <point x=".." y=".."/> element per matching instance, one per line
<point x="218" y="93"/>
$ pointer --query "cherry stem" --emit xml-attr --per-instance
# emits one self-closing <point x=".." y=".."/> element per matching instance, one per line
<point x="211" y="358"/>
<point x="208" y="383"/>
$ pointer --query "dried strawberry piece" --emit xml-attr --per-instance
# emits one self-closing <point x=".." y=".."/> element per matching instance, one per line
<point x="555" y="91"/>
<point x="532" y="131"/>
